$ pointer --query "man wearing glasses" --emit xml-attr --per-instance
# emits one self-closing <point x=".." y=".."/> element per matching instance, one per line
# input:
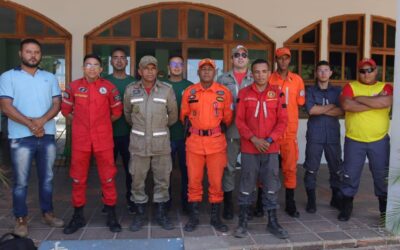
<point x="92" y="104"/>
<point x="179" y="84"/>
<point x="121" y="129"/>
<point x="367" y="104"/>
<point x="237" y="78"/>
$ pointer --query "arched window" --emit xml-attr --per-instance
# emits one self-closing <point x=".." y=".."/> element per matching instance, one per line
<point x="193" y="30"/>
<point x="304" y="47"/>
<point x="345" y="45"/>
<point x="382" y="46"/>
<point x="17" y="23"/>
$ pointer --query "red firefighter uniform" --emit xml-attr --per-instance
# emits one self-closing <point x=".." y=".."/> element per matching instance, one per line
<point x="293" y="88"/>
<point x="92" y="105"/>
<point x="206" y="109"/>
<point x="260" y="114"/>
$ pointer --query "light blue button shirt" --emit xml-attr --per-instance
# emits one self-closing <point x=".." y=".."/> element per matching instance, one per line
<point x="31" y="95"/>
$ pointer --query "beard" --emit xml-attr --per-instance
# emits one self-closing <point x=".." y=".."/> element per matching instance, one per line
<point x="30" y="65"/>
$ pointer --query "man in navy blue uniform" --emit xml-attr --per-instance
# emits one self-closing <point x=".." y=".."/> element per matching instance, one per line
<point x="323" y="135"/>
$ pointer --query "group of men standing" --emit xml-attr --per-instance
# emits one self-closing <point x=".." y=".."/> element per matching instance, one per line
<point x="250" y="111"/>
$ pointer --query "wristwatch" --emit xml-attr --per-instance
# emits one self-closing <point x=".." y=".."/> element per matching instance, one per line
<point x="269" y="140"/>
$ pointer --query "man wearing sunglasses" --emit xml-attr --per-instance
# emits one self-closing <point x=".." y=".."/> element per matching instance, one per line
<point x="237" y="78"/>
<point x="367" y="104"/>
<point x="92" y="104"/>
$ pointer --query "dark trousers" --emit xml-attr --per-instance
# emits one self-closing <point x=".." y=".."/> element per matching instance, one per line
<point x="178" y="147"/>
<point x="333" y="153"/>
<point x="263" y="168"/>
<point x="355" y="154"/>
<point x="121" y="147"/>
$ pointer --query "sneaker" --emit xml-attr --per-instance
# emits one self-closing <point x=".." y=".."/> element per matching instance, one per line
<point x="21" y="227"/>
<point x="51" y="220"/>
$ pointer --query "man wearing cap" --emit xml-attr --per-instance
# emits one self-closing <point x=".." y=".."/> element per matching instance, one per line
<point x="92" y="103"/>
<point x="367" y="104"/>
<point x="237" y="78"/>
<point x="150" y="108"/>
<point x="207" y="106"/>
<point x="323" y="135"/>
<point x="121" y="129"/>
<point x="292" y="86"/>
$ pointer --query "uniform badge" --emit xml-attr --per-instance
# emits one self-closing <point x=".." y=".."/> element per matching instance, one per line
<point x="82" y="89"/>
<point x="193" y="91"/>
<point x="192" y="97"/>
<point x="220" y="92"/>
<point x="103" y="90"/>
<point x="65" y="95"/>
<point x="220" y="99"/>
<point x="136" y="92"/>
<point x="302" y="92"/>
<point x="271" y="94"/>
<point x="117" y="98"/>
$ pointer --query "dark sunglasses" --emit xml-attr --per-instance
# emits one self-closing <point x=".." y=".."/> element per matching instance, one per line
<point x="237" y="55"/>
<point x="364" y="71"/>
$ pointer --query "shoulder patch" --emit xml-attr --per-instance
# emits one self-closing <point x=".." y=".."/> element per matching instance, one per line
<point x="302" y="92"/>
<point x="65" y="95"/>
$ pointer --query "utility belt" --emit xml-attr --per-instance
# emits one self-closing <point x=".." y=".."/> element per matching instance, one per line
<point x="205" y="132"/>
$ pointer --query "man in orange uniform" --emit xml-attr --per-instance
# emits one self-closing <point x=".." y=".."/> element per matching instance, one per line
<point x="207" y="106"/>
<point x="292" y="86"/>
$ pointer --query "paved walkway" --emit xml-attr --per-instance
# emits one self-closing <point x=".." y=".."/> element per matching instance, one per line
<point x="311" y="231"/>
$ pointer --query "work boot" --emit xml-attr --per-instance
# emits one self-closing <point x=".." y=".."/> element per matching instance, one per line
<point x="215" y="219"/>
<point x="162" y="218"/>
<point x="311" y="206"/>
<point x="49" y="219"/>
<point x="112" y="221"/>
<point x="346" y="208"/>
<point x="139" y="217"/>
<point x="193" y="217"/>
<point x="336" y="197"/>
<point x="273" y="226"/>
<point x="291" y="209"/>
<point x="241" y="230"/>
<point x="259" y="211"/>
<point x="382" y="209"/>
<point x="228" y="206"/>
<point x="76" y="222"/>
<point x="21" y="226"/>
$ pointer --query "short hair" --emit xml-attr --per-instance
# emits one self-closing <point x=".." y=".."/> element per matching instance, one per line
<point x="27" y="41"/>
<point x="175" y="56"/>
<point x="92" y="56"/>
<point x="118" y="49"/>
<point x="323" y="63"/>
<point x="259" y="61"/>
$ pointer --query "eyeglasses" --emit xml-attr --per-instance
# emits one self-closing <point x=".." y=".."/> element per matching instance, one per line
<point x="92" y="66"/>
<point x="237" y="55"/>
<point x="364" y="71"/>
<point x="176" y="64"/>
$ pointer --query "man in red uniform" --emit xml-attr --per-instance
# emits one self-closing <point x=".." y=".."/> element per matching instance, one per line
<point x="207" y="106"/>
<point x="292" y="86"/>
<point x="92" y="103"/>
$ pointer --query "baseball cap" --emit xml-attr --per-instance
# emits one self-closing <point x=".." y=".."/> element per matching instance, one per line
<point x="366" y="61"/>
<point x="207" y="61"/>
<point x="146" y="60"/>
<point x="239" y="47"/>
<point x="282" y="51"/>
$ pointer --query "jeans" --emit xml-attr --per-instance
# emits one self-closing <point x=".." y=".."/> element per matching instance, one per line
<point x="178" y="147"/>
<point x="23" y="151"/>
<point x="121" y="147"/>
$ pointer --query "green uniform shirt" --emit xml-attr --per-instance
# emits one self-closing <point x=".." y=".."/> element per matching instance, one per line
<point x="176" y="130"/>
<point x="120" y="126"/>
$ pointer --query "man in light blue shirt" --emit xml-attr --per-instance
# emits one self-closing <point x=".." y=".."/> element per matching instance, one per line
<point x="31" y="97"/>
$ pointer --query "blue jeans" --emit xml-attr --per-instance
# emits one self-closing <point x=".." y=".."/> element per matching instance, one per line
<point x="121" y="147"/>
<point x="23" y="151"/>
<point x="178" y="147"/>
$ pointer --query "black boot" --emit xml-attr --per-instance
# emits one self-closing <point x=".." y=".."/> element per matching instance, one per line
<point x="273" y="226"/>
<point x="228" y="206"/>
<point x="112" y="221"/>
<point x="259" y="211"/>
<point x="162" y="218"/>
<point x="382" y="209"/>
<point x="311" y="206"/>
<point x="336" y="197"/>
<point x="215" y="219"/>
<point x="193" y="217"/>
<point x="346" y="208"/>
<point x="139" y="217"/>
<point x="291" y="209"/>
<point x="76" y="222"/>
<point x="241" y="230"/>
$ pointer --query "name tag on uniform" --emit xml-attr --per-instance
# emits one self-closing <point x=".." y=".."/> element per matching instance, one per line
<point x="137" y="100"/>
<point x="159" y="100"/>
